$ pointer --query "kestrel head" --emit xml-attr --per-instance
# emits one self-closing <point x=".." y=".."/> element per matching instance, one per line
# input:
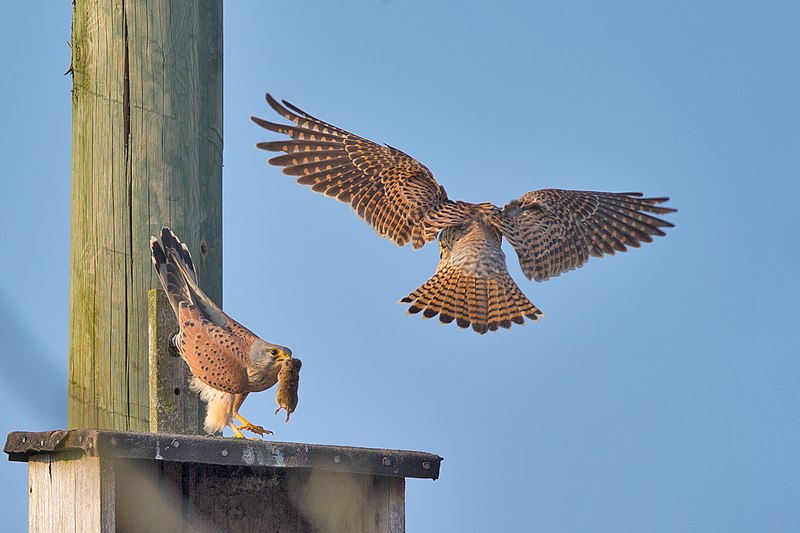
<point x="268" y="354"/>
<point x="278" y="353"/>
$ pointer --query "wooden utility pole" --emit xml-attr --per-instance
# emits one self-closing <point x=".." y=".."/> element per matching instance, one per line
<point x="146" y="152"/>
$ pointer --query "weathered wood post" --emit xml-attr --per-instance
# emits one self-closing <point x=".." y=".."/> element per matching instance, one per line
<point x="147" y="152"/>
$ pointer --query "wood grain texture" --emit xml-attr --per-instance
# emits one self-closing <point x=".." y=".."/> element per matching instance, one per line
<point x="70" y="495"/>
<point x="147" y="152"/>
<point x="173" y="407"/>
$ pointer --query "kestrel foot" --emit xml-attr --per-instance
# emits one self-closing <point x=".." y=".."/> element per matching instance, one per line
<point x="236" y="433"/>
<point x="239" y="435"/>
<point x="258" y="430"/>
<point x="249" y="426"/>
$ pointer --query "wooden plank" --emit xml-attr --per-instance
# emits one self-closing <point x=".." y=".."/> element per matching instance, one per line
<point x="21" y="445"/>
<point x="147" y="152"/>
<point x="173" y="407"/>
<point x="155" y="499"/>
<point x="94" y="494"/>
<point x="396" y="504"/>
<point x="70" y="495"/>
<point x="386" y="508"/>
<point x="200" y="497"/>
<point x="330" y="501"/>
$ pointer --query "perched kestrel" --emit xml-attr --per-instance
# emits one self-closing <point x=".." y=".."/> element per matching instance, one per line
<point x="227" y="360"/>
<point x="288" y="382"/>
<point x="552" y="230"/>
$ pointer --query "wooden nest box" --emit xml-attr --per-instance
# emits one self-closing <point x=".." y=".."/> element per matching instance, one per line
<point x="106" y="481"/>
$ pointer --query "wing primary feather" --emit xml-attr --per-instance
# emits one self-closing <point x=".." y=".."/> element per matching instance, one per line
<point x="295" y="132"/>
<point x="298" y="146"/>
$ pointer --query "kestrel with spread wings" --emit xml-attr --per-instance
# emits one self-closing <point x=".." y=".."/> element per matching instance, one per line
<point x="227" y="360"/>
<point x="552" y="230"/>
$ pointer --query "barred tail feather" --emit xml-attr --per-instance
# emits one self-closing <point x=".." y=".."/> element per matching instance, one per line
<point x="486" y="304"/>
<point x="174" y="267"/>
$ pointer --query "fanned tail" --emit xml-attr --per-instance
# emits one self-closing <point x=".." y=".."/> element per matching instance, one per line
<point x="484" y="303"/>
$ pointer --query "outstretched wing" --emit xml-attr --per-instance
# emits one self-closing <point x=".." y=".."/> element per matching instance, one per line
<point x="390" y="190"/>
<point x="555" y="231"/>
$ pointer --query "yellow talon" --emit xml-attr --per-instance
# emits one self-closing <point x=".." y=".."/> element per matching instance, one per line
<point x="258" y="430"/>
<point x="249" y="426"/>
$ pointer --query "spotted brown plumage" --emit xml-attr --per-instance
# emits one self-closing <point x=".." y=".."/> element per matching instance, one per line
<point x="551" y="230"/>
<point x="288" y="383"/>
<point x="227" y="360"/>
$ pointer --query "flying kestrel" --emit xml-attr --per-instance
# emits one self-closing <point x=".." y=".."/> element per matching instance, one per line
<point x="552" y="230"/>
<point x="227" y="360"/>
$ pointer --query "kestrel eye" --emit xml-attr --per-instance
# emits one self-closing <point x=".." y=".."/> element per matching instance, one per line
<point x="273" y="352"/>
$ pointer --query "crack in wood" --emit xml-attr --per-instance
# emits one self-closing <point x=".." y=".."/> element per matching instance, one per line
<point x="126" y="105"/>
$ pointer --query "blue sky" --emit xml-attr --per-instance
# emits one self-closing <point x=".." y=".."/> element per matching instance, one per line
<point x="660" y="391"/>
